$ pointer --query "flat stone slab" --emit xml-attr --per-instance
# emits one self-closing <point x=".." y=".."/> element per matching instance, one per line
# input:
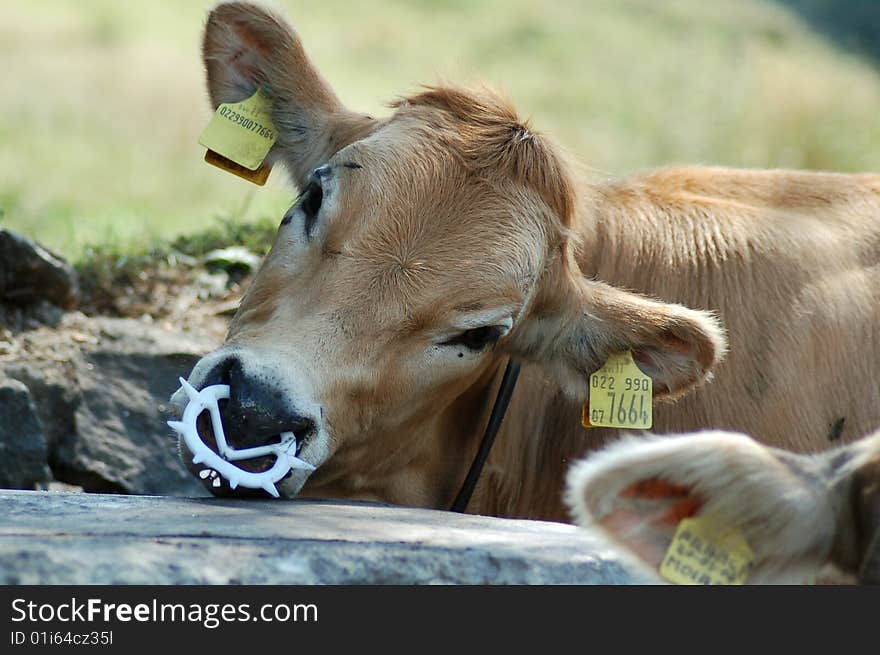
<point x="75" y="538"/>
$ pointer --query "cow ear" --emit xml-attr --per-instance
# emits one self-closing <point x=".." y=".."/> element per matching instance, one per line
<point x="247" y="47"/>
<point x="639" y="489"/>
<point x="574" y="332"/>
<point x="856" y="470"/>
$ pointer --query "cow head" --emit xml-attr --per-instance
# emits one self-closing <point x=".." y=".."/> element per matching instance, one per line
<point x="798" y="513"/>
<point x="424" y="249"/>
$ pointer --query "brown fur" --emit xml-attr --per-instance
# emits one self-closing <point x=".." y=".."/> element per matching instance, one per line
<point x="457" y="206"/>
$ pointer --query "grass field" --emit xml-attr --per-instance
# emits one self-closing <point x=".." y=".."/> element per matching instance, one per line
<point x="103" y="100"/>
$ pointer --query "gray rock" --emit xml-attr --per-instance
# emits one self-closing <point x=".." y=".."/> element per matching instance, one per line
<point x="122" y="442"/>
<point x="54" y="389"/>
<point x="103" y="407"/>
<point x="63" y="538"/>
<point x="23" y="448"/>
<point x="212" y="285"/>
<point x="233" y="258"/>
<point x="30" y="273"/>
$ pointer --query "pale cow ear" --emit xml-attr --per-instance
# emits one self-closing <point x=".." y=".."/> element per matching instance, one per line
<point x="575" y="332"/>
<point x="796" y="512"/>
<point x="247" y="47"/>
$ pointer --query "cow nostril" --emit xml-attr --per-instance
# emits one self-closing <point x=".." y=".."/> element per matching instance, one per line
<point x="301" y="427"/>
<point x="263" y="427"/>
<point x="221" y="372"/>
<point x="253" y="417"/>
<point x="258" y="411"/>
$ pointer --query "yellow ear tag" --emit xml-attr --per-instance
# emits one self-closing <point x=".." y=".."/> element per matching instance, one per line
<point x="239" y="137"/>
<point x="620" y="396"/>
<point x="703" y="552"/>
<point x="258" y="176"/>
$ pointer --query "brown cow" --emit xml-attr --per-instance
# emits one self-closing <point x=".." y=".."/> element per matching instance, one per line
<point x="797" y="513"/>
<point x="430" y="246"/>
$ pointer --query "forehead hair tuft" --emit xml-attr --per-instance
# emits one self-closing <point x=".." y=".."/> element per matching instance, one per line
<point x="489" y="137"/>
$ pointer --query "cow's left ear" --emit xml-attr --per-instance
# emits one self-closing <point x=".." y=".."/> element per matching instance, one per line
<point x="247" y="47"/>
<point x="573" y="333"/>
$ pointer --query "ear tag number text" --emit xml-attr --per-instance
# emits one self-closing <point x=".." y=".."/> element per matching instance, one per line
<point x="620" y="396"/>
<point x="239" y="137"/>
<point x="704" y="552"/>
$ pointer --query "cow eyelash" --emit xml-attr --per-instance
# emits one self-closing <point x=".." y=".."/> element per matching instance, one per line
<point x="476" y="339"/>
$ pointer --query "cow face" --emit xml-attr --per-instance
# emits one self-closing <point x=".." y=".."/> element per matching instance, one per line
<point x="424" y="250"/>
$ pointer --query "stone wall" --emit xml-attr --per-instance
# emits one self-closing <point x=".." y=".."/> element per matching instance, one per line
<point x="70" y="538"/>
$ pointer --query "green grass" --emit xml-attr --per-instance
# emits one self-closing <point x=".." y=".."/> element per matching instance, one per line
<point x="109" y="271"/>
<point x="103" y="101"/>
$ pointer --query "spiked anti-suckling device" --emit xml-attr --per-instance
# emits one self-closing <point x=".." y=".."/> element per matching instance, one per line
<point x="222" y="461"/>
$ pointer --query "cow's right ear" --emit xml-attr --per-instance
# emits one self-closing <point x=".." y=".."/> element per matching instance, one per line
<point x="577" y="324"/>
<point x="247" y="47"/>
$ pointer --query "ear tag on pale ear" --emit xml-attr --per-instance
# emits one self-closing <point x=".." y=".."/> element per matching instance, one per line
<point x="620" y="396"/>
<point x="705" y="552"/>
<point x="239" y="137"/>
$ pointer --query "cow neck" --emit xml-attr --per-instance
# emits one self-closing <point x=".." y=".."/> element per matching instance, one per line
<point x="499" y="409"/>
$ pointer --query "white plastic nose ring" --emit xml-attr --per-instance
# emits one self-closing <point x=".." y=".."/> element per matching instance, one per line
<point x="207" y="399"/>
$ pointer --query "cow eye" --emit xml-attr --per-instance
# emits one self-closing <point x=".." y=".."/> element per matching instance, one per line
<point x="478" y="338"/>
<point x="310" y="203"/>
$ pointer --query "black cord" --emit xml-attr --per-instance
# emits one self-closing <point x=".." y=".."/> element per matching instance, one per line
<point x="502" y="400"/>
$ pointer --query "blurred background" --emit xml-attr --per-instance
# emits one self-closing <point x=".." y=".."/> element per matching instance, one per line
<point x="103" y="101"/>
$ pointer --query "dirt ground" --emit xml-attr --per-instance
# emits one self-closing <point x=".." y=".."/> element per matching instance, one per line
<point x="188" y="299"/>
